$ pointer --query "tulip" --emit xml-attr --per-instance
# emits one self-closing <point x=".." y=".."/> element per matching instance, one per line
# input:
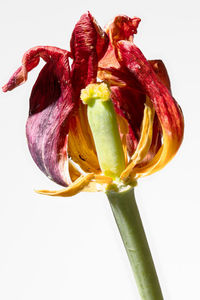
<point x="91" y="136"/>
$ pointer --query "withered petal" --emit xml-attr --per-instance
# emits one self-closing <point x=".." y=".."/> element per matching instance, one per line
<point x="51" y="104"/>
<point x="81" y="146"/>
<point x="122" y="28"/>
<point x="88" y="44"/>
<point x="167" y="109"/>
<point x="77" y="186"/>
<point x="161" y="71"/>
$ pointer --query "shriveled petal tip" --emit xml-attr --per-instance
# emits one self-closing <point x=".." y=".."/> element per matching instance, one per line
<point x="51" y="104"/>
<point x="122" y="28"/>
<point x="29" y="61"/>
<point x="167" y="109"/>
<point x="16" y="79"/>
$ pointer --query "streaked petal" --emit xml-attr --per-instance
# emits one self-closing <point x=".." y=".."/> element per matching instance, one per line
<point x="51" y="104"/>
<point x="161" y="71"/>
<point x="29" y="61"/>
<point x="122" y="28"/>
<point x="88" y="45"/>
<point x="167" y="109"/>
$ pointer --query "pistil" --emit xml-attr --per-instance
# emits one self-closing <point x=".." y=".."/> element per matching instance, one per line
<point x="104" y="127"/>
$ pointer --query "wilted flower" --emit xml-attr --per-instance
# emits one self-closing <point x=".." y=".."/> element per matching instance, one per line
<point x="59" y="136"/>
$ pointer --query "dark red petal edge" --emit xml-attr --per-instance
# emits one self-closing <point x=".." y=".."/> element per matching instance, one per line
<point x="51" y="104"/>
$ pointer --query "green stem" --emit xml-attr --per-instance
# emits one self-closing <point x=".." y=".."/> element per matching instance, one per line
<point x="128" y="219"/>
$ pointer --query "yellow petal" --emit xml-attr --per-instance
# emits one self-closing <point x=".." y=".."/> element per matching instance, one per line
<point x="80" y="142"/>
<point x="171" y="143"/>
<point x="162" y="157"/>
<point x="103" y="179"/>
<point x="98" y="184"/>
<point x="73" y="189"/>
<point x="144" y="142"/>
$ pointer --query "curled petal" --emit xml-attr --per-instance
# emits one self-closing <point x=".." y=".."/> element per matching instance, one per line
<point x="72" y="190"/>
<point x="109" y="69"/>
<point x="51" y="104"/>
<point x="167" y="109"/>
<point x="29" y="61"/>
<point x="161" y="71"/>
<point x="122" y="28"/>
<point x="86" y="183"/>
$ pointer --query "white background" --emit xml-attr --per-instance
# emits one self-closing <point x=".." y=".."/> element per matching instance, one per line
<point x="69" y="248"/>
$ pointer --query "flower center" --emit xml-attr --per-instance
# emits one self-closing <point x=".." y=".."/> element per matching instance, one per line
<point x="104" y="127"/>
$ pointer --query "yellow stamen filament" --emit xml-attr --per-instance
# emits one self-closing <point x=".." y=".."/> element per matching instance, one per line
<point x="144" y="142"/>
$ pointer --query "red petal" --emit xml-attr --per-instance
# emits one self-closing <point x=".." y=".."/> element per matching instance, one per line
<point x="161" y="71"/>
<point x="167" y="109"/>
<point x="88" y="44"/>
<point x="122" y="28"/>
<point x="51" y="104"/>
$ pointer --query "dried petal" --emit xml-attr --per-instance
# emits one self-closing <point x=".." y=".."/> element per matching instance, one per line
<point x="109" y="69"/>
<point x="51" y="104"/>
<point x="76" y="187"/>
<point x="88" y="45"/>
<point x="167" y="109"/>
<point x="122" y="28"/>
<point x="81" y="146"/>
